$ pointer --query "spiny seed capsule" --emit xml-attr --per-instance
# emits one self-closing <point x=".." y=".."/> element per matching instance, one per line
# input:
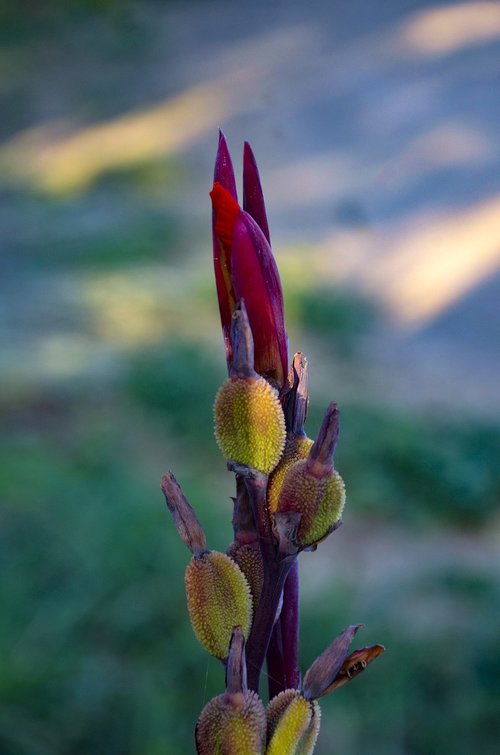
<point x="313" y="488"/>
<point x="296" y="448"/>
<point x="292" y="724"/>
<point x="249" y="559"/>
<point x="297" y="444"/>
<point x="218" y="598"/>
<point x="232" y="725"/>
<point x="249" y="422"/>
<point x="320" y="501"/>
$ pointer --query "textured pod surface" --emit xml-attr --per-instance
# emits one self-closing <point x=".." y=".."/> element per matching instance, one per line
<point x="276" y="707"/>
<point x="290" y="724"/>
<point x="218" y="599"/>
<point x="249" y="423"/>
<point x="249" y="559"/>
<point x="310" y="736"/>
<point x="320" y="501"/>
<point x="296" y="448"/>
<point x="232" y="725"/>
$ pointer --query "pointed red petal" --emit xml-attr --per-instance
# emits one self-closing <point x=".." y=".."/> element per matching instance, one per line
<point x="253" y="197"/>
<point x="223" y="171"/>
<point x="256" y="280"/>
<point x="226" y="209"/>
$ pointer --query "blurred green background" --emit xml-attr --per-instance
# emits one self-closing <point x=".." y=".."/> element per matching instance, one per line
<point x="375" y="127"/>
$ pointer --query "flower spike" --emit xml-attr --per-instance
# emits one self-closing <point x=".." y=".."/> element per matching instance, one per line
<point x="244" y="604"/>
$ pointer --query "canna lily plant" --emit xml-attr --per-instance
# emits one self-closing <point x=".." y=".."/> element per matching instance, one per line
<point x="243" y="604"/>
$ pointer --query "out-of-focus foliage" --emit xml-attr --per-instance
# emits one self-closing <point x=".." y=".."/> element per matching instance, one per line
<point x="436" y="691"/>
<point x="414" y="468"/>
<point x="99" y="655"/>
<point x="338" y="316"/>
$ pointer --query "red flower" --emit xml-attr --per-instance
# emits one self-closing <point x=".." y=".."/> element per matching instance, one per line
<point x="244" y="264"/>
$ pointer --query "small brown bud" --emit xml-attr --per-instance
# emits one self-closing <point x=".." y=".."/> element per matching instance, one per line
<point x="186" y="522"/>
<point x="335" y="667"/>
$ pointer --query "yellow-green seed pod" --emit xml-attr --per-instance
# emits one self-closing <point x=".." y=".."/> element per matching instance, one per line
<point x="296" y="448"/>
<point x="249" y="423"/>
<point x="232" y="725"/>
<point x="319" y="500"/>
<point x="249" y="559"/>
<point x="310" y="736"/>
<point x="292" y="724"/>
<point x="218" y="598"/>
<point x="276" y="707"/>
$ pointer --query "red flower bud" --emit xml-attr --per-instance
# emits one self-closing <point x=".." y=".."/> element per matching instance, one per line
<point x="223" y="178"/>
<point x="253" y="197"/>
<point x="245" y="267"/>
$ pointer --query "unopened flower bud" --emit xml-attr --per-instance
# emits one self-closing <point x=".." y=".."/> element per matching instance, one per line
<point x="292" y="724"/>
<point x="249" y="422"/>
<point x="218" y="598"/>
<point x="313" y="488"/>
<point x="233" y="723"/>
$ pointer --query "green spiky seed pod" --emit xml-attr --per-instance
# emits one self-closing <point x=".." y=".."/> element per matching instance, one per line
<point x="249" y="559"/>
<point x="276" y="707"/>
<point x="232" y="725"/>
<point x="320" y="501"/>
<point x="310" y="736"/>
<point x="313" y="489"/>
<point x="292" y="724"/>
<point x="249" y="423"/>
<point x="296" y="448"/>
<point x="218" y="598"/>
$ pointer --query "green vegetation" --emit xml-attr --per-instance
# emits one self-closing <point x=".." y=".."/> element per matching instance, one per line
<point x="420" y="468"/>
<point x="338" y="316"/>
<point x="99" y="656"/>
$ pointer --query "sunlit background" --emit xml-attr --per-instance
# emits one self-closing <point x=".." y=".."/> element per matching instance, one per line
<point x="376" y="128"/>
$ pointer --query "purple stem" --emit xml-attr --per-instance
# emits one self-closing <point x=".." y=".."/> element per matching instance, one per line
<point x="275" y="574"/>
<point x="275" y="663"/>
<point x="276" y="569"/>
<point x="283" y="652"/>
<point x="289" y="622"/>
